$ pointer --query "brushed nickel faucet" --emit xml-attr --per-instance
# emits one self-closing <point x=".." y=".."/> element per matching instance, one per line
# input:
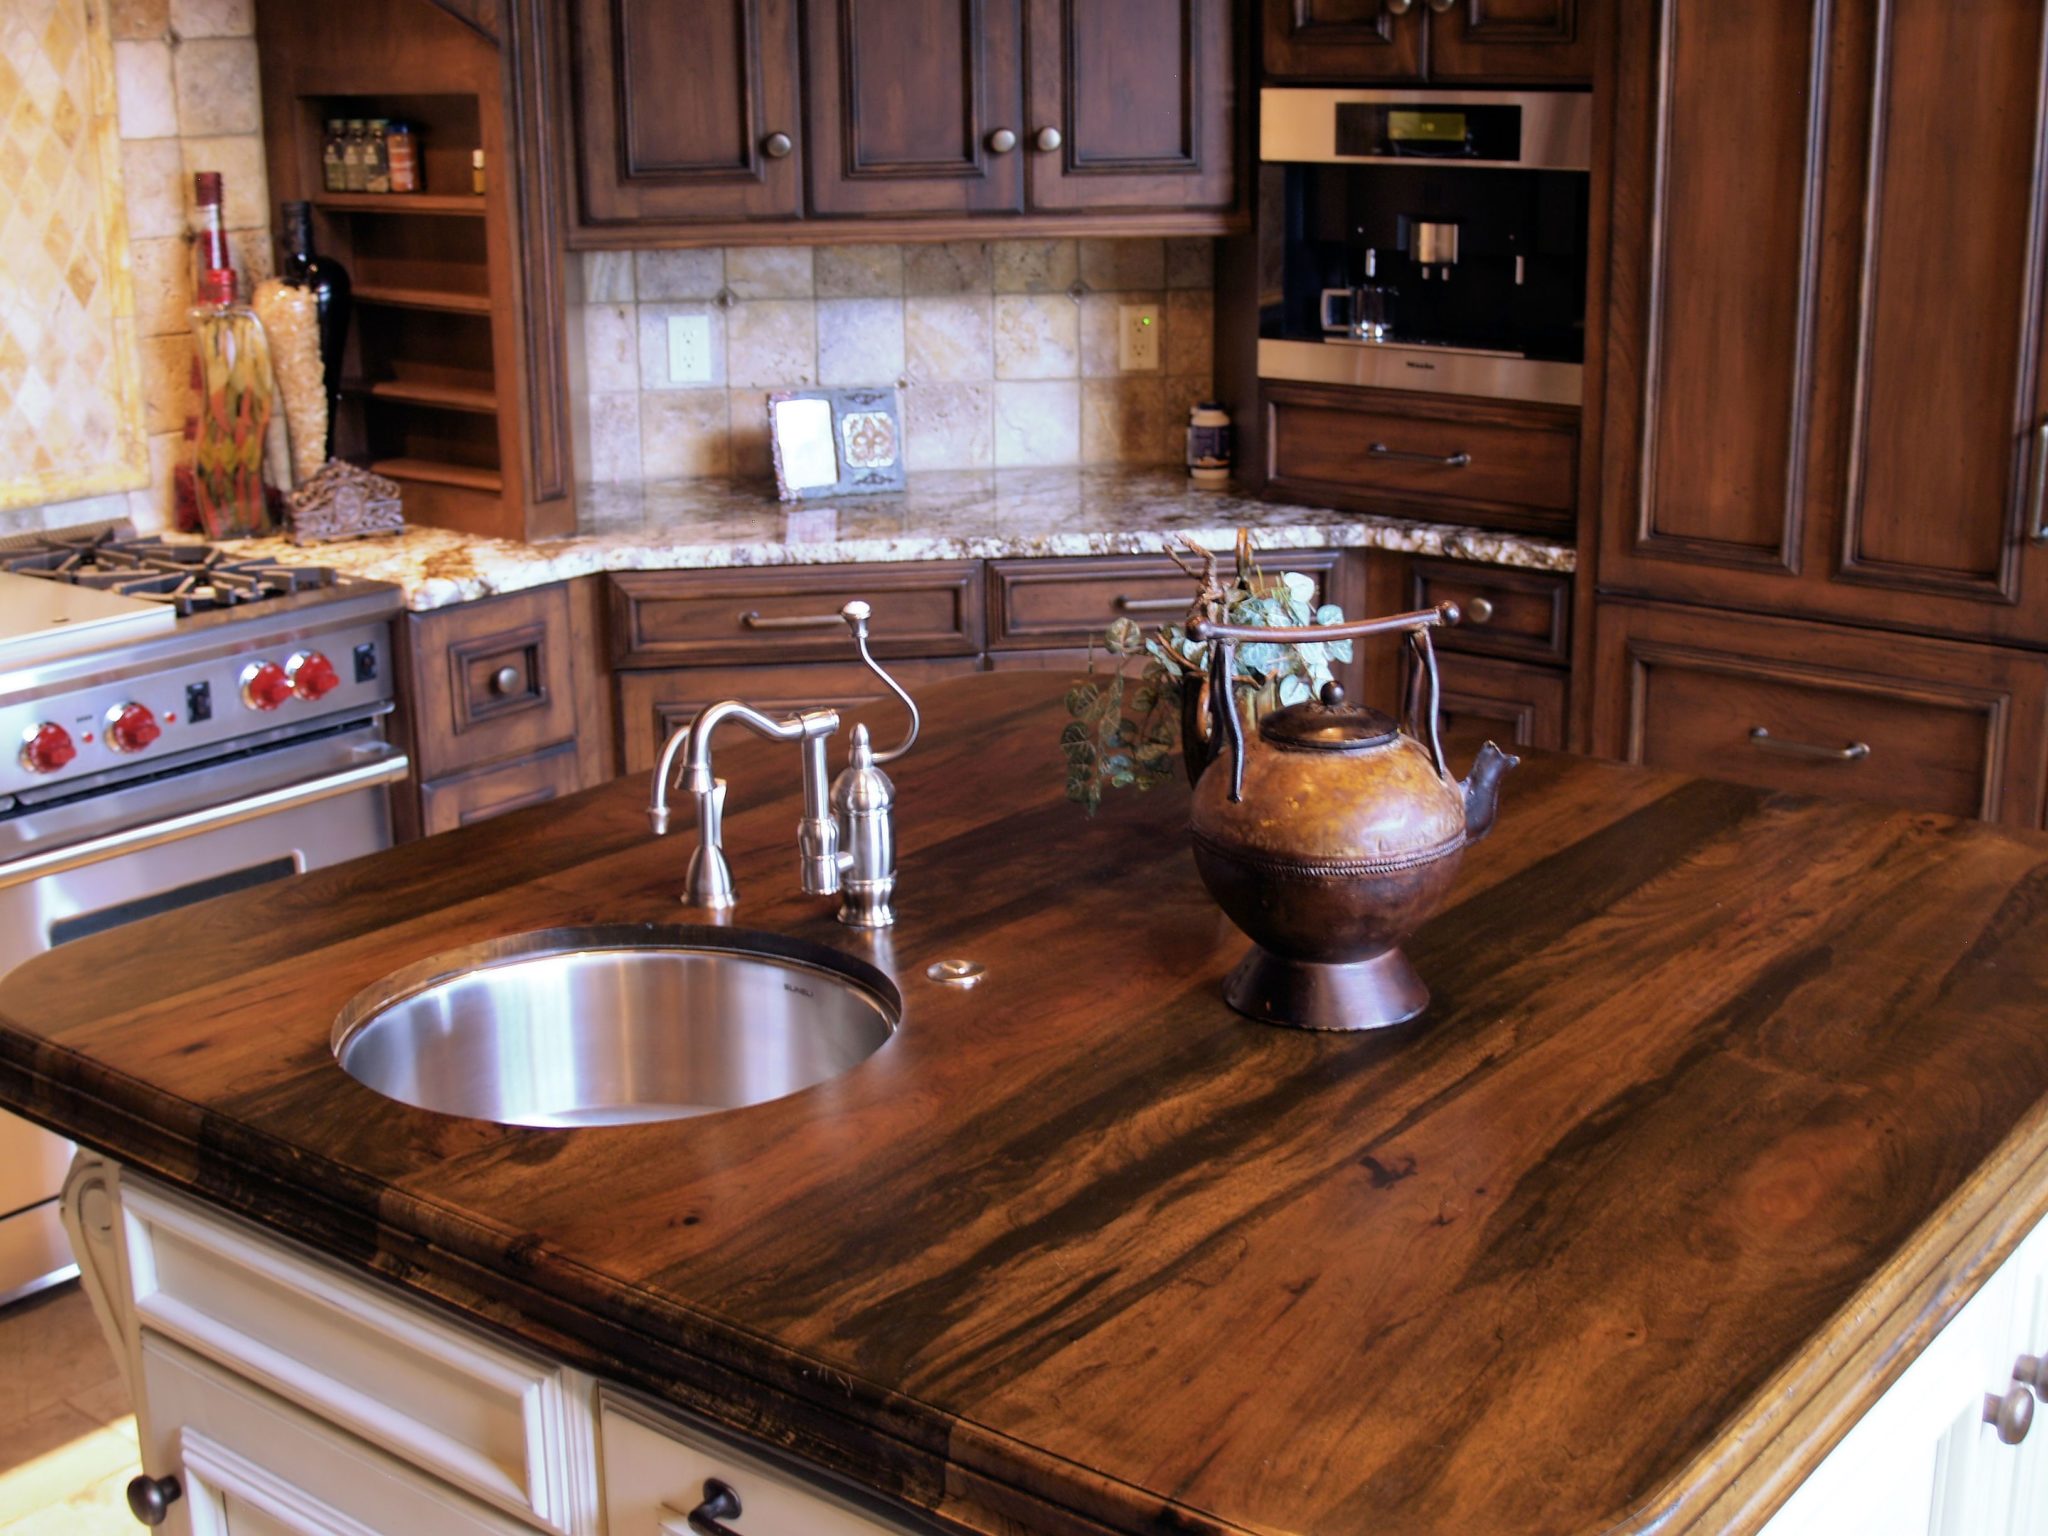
<point x="846" y="840"/>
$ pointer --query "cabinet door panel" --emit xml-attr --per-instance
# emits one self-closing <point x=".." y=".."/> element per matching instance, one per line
<point x="1949" y="323"/>
<point x="903" y="97"/>
<point x="1342" y="40"/>
<point x="1143" y="96"/>
<point x="1508" y="41"/>
<point x="675" y="105"/>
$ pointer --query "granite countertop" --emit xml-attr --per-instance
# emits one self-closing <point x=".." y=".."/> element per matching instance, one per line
<point x="943" y="515"/>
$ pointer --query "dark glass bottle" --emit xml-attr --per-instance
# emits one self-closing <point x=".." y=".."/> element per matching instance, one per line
<point x="306" y="268"/>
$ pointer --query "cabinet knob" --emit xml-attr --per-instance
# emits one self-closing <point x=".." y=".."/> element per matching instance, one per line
<point x="777" y="146"/>
<point x="1048" y="140"/>
<point x="2011" y="1415"/>
<point x="1479" y="610"/>
<point x="1002" y="141"/>
<point x="1399" y="7"/>
<point x="504" y="681"/>
<point x="720" y="1504"/>
<point x="1440" y="6"/>
<point x="150" y="1498"/>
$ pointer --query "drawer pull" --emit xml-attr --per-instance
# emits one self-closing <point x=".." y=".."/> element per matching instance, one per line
<point x="1456" y="460"/>
<point x="2011" y="1415"/>
<point x="2037" y="502"/>
<point x="2032" y="1371"/>
<point x="504" y="681"/>
<point x="752" y="620"/>
<point x="1125" y="604"/>
<point x="1764" y="741"/>
<point x="1479" y="611"/>
<point x="150" y="1498"/>
<point x="722" y="1504"/>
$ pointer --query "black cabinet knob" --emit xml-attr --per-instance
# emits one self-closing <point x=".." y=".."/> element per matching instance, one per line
<point x="720" y="1505"/>
<point x="150" y="1498"/>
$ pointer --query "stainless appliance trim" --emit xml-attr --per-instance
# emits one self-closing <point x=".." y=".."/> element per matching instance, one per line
<point x="1432" y="370"/>
<point x="1300" y="125"/>
<point x="57" y="861"/>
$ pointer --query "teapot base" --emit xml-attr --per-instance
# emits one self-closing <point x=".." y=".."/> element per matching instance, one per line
<point x="1303" y="994"/>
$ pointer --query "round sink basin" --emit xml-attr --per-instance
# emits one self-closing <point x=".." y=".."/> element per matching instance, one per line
<point x="615" y="1025"/>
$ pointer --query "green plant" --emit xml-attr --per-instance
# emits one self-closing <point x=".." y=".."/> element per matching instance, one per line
<point x="1125" y="725"/>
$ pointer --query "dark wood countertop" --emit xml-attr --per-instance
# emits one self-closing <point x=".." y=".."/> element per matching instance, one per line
<point x="1726" y="1101"/>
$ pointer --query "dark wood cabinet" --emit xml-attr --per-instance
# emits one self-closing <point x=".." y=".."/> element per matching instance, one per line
<point x="919" y="118"/>
<point x="1824" y="392"/>
<point x="915" y="106"/>
<point x="687" y="116"/>
<point x="1498" y="42"/>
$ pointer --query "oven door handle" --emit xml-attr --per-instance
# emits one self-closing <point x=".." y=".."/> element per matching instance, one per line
<point x="58" y="861"/>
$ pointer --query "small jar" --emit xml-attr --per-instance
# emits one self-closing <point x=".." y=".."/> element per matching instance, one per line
<point x="333" y="166"/>
<point x="377" y="157"/>
<point x="1209" y="445"/>
<point x="354" y="149"/>
<point x="476" y="172"/>
<point x="402" y="152"/>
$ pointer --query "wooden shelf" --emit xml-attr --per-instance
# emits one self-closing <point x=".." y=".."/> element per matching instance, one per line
<point x="467" y="205"/>
<point x="447" y="397"/>
<point x="424" y="298"/>
<point x="467" y="476"/>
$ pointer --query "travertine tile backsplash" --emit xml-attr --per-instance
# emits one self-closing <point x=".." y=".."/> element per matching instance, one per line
<point x="1005" y="351"/>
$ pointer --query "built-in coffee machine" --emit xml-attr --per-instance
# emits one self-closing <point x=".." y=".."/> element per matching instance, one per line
<point x="1430" y="240"/>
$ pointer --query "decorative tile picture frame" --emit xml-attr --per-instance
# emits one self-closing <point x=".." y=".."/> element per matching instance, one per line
<point x="836" y="442"/>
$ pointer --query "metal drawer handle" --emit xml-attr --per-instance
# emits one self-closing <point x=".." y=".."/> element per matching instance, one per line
<point x="2011" y="1415"/>
<point x="504" y="680"/>
<point x="752" y="620"/>
<point x="1479" y="610"/>
<point x="1456" y="460"/>
<point x="1764" y="741"/>
<point x="2037" y="502"/>
<point x="1125" y="604"/>
<point x="150" y="1498"/>
<point x="722" y="1504"/>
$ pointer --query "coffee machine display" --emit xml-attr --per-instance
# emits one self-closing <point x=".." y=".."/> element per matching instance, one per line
<point x="1425" y="240"/>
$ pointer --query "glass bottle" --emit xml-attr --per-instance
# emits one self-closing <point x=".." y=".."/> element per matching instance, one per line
<point x="354" y="171"/>
<point x="237" y="392"/>
<point x="377" y="157"/>
<point x="402" y="151"/>
<point x="305" y="267"/>
<point x="333" y="169"/>
<point x="213" y="234"/>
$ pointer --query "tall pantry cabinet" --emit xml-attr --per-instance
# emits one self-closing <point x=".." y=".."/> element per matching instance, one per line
<point x="1825" y="400"/>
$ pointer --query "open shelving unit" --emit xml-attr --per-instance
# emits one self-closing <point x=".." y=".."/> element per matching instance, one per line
<point x="451" y="382"/>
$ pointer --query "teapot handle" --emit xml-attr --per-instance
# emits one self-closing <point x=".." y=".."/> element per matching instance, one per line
<point x="1426" y="683"/>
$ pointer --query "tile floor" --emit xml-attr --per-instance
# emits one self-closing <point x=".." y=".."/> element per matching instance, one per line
<point x="67" y="1435"/>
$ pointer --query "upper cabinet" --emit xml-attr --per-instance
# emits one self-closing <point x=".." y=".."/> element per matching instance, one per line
<point x="902" y="117"/>
<point x="1494" y="42"/>
<point x="1824" y="391"/>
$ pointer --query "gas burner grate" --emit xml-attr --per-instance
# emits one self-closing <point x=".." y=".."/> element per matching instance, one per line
<point x="193" y="578"/>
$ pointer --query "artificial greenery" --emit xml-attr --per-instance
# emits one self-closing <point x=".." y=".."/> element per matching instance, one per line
<point x="1125" y="726"/>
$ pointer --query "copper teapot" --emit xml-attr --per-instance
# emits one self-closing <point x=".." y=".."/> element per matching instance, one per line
<point x="1333" y="835"/>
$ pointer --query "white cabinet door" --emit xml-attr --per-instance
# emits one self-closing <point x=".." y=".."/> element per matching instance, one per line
<point x="249" y="1464"/>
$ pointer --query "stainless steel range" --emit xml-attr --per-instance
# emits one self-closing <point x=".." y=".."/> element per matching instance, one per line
<point x="174" y="724"/>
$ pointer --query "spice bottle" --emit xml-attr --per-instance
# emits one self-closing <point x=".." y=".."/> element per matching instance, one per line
<point x="377" y="157"/>
<point x="237" y="393"/>
<point x="402" y="156"/>
<point x="353" y="148"/>
<point x="1209" y="445"/>
<point x="333" y="170"/>
<point x="476" y="172"/>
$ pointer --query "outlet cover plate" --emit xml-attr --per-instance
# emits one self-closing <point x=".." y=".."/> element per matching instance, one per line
<point x="1137" y="348"/>
<point x="689" y="349"/>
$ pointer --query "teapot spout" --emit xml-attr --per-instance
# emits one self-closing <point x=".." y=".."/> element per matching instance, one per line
<point x="1482" y="789"/>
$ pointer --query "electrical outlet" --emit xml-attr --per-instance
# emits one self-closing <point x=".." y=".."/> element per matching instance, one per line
<point x="689" y="349"/>
<point x="1137" y="348"/>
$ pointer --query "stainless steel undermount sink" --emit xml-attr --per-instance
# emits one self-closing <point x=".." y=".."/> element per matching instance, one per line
<point x="615" y="1025"/>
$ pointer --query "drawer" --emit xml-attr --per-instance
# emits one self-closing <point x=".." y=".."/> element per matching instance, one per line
<point x="1039" y="604"/>
<point x="791" y="613"/>
<point x="492" y="679"/>
<point x="491" y="791"/>
<point x="655" y="1471"/>
<point x="496" y="1421"/>
<point x="1508" y="702"/>
<point x="1490" y="463"/>
<point x="652" y="704"/>
<point x="1523" y="615"/>
<point x="1821" y="709"/>
<point x="249" y="1464"/>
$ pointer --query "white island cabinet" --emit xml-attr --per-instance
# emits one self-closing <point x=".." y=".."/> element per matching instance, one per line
<point x="277" y="1393"/>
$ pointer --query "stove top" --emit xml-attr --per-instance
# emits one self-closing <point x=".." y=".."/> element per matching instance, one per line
<point x="189" y="578"/>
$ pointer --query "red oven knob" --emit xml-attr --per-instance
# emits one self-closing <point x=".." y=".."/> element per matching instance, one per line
<point x="265" y="685"/>
<point x="45" y="748"/>
<point x="131" y="727"/>
<point x="312" y="675"/>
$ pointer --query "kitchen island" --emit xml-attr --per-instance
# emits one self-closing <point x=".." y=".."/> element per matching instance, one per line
<point x="1726" y="1103"/>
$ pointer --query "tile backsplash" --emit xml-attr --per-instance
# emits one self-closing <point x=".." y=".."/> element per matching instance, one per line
<point x="1005" y="352"/>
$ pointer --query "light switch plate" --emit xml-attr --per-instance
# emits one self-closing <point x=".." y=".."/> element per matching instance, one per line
<point x="1137" y="348"/>
<point x="689" y="349"/>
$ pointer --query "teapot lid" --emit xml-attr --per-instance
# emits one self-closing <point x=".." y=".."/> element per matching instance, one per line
<point x="1328" y="724"/>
